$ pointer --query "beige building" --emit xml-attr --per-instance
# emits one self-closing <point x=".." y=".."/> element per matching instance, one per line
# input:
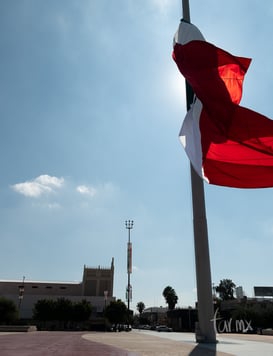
<point x="96" y="287"/>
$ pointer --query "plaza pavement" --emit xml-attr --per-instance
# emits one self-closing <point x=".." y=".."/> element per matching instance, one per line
<point x="152" y="343"/>
<point x="134" y="343"/>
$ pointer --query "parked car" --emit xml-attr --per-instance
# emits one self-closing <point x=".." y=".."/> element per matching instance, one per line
<point x="163" y="328"/>
<point x="122" y="327"/>
<point x="125" y="327"/>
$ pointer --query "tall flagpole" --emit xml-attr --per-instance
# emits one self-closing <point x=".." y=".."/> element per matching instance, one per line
<point x="204" y="331"/>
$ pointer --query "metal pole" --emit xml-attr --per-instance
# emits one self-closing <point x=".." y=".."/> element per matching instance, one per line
<point x="105" y="303"/>
<point x="129" y="225"/>
<point x="129" y="282"/>
<point x="186" y="10"/>
<point x="21" y="296"/>
<point x="204" y="331"/>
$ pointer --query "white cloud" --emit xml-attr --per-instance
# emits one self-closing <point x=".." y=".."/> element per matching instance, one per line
<point x="86" y="190"/>
<point x="103" y="190"/>
<point x="54" y="206"/>
<point x="162" y="5"/>
<point x="38" y="186"/>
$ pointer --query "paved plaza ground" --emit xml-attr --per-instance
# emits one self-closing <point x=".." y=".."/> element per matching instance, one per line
<point x="152" y="343"/>
<point x="135" y="343"/>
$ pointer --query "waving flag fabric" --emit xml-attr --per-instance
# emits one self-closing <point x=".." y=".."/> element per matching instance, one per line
<point x="228" y="145"/>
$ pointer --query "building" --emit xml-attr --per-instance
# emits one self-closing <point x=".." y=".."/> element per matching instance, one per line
<point x="183" y="319"/>
<point x="263" y="292"/>
<point x="154" y="315"/>
<point x="239" y="292"/>
<point x="96" y="287"/>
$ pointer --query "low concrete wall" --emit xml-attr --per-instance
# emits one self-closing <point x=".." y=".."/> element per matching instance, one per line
<point x="267" y="332"/>
<point x="18" y="328"/>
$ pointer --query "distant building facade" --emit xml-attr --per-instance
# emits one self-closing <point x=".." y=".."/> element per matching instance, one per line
<point x="96" y="287"/>
<point x="155" y="315"/>
<point x="263" y="292"/>
<point x="239" y="292"/>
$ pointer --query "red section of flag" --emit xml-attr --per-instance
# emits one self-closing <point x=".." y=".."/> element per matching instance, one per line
<point x="236" y="143"/>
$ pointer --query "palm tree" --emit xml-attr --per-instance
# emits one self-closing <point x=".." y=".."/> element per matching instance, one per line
<point x="226" y="289"/>
<point x="170" y="296"/>
<point x="140" y="307"/>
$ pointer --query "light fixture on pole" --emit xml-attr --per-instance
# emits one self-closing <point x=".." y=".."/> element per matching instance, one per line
<point x="129" y="225"/>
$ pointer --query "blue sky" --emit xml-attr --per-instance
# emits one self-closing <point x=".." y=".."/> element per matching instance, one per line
<point x="91" y="107"/>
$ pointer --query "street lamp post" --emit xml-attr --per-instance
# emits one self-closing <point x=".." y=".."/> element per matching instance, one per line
<point x="105" y="303"/>
<point x="129" y="225"/>
<point x="21" y="296"/>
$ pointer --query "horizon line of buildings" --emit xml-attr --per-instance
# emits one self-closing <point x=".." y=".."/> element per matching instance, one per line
<point x="96" y="287"/>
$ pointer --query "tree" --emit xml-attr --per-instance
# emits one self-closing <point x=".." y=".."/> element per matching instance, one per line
<point x="44" y="310"/>
<point x="140" y="307"/>
<point x="116" y="312"/>
<point x="170" y="296"/>
<point x="64" y="310"/>
<point x="81" y="311"/>
<point x="226" y="289"/>
<point x="8" y="311"/>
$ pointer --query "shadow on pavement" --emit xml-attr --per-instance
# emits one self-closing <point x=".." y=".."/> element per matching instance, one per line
<point x="204" y="349"/>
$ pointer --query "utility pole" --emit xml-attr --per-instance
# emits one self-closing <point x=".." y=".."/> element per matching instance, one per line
<point x="129" y="225"/>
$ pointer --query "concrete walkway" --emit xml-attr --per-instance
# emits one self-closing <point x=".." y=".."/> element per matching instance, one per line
<point x="152" y="343"/>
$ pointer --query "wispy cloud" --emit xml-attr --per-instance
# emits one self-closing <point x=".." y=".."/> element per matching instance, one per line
<point x="102" y="192"/>
<point x="161" y="5"/>
<point x="86" y="190"/>
<point x="38" y="186"/>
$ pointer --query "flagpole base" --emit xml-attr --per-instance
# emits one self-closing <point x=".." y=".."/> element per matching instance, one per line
<point x="203" y="339"/>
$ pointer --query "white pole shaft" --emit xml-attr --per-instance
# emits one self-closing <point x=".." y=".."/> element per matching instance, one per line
<point x="205" y="332"/>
